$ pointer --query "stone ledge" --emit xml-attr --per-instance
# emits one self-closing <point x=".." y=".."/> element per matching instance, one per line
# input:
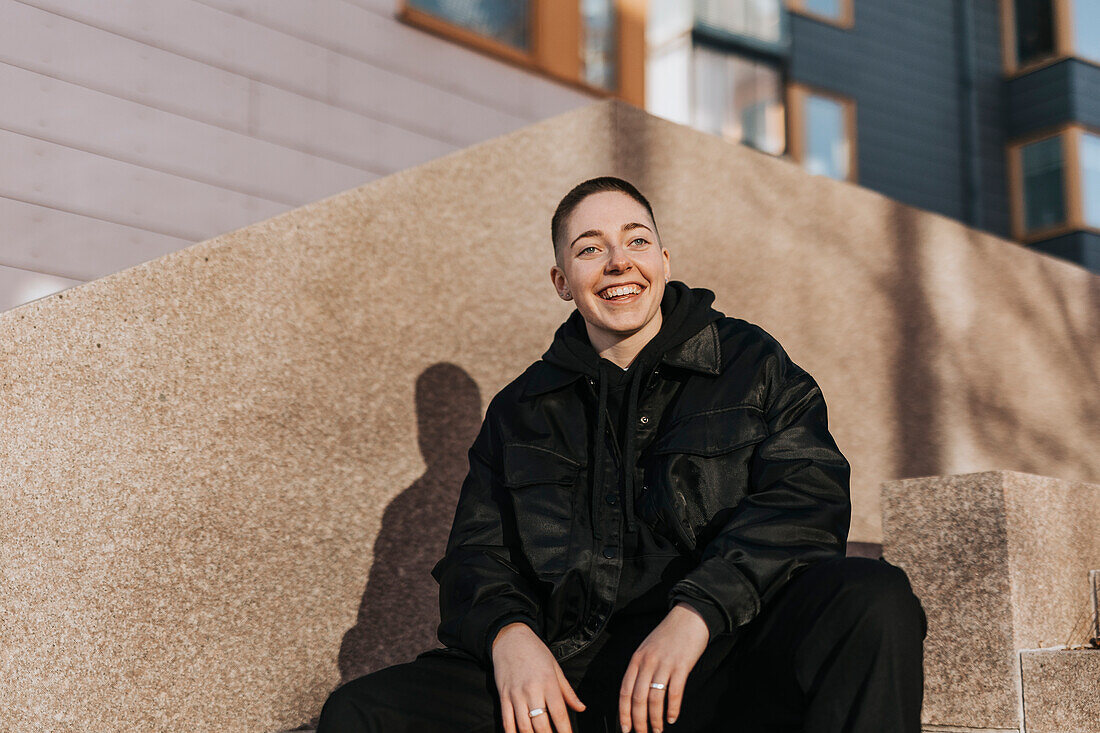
<point x="1000" y="561"/>
<point x="1059" y="689"/>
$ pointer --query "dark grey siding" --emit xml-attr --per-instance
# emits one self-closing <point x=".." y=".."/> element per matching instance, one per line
<point x="1085" y="88"/>
<point x="901" y="63"/>
<point x="1040" y="99"/>
<point x="1080" y="247"/>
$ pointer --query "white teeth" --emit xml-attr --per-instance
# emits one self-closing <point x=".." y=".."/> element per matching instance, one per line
<point x="619" y="290"/>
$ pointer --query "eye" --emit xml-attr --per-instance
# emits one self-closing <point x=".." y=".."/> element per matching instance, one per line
<point x="642" y="240"/>
<point x="586" y="249"/>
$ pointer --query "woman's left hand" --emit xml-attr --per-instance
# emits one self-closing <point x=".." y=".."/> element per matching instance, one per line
<point x="667" y="655"/>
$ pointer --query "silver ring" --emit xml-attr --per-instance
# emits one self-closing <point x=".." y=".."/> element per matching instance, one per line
<point x="657" y="685"/>
<point x="536" y="711"/>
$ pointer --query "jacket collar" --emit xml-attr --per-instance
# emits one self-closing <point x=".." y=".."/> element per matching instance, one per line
<point x="701" y="353"/>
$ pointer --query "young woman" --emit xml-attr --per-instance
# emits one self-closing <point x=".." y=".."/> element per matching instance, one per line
<point x="652" y="531"/>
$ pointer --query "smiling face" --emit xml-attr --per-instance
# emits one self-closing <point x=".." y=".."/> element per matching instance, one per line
<point x="614" y="267"/>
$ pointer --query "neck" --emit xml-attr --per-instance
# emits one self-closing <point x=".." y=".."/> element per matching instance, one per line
<point x="622" y="350"/>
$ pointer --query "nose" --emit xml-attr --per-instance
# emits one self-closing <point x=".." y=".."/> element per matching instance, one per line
<point x="618" y="259"/>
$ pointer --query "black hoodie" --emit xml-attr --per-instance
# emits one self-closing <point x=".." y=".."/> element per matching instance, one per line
<point x="646" y="557"/>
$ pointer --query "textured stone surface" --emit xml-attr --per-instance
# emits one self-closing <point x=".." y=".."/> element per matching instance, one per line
<point x="955" y="729"/>
<point x="1061" y="690"/>
<point x="1094" y="578"/>
<point x="225" y="473"/>
<point x="1000" y="561"/>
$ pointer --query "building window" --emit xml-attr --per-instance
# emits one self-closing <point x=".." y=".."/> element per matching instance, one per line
<point x="739" y="99"/>
<point x="1042" y="170"/>
<point x="1034" y="30"/>
<point x="1090" y="178"/>
<point x="760" y="19"/>
<point x="668" y="80"/>
<point x="597" y="45"/>
<point x="836" y="12"/>
<point x="822" y="131"/>
<point x="1038" y="32"/>
<point x="507" y="21"/>
<point x="598" y="24"/>
<point x="717" y="65"/>
<point x="1055" y="183"/>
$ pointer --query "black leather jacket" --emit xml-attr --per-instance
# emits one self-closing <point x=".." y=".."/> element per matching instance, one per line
<point x="732" y="454"/>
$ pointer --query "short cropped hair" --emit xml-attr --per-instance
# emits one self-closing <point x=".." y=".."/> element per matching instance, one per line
<point x="579" y="192"/>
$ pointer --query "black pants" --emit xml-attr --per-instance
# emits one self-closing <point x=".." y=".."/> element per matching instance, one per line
<point x="838" y="650"/>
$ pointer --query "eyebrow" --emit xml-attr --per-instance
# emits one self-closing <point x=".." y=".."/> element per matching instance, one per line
<point x="598" y="233"/>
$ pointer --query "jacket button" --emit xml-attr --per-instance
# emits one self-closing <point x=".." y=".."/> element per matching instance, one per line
<point x="611" y="499"/>
<point x="609" y="552"/>
<point x="644" y="419"/>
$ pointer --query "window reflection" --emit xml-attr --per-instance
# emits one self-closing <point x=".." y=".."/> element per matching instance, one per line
<point x="828" y="8"/>
<point x="667" y="81"/>
<point x="666" y="20"/>
<point x="1090" y="178"/>
<point x="598" y="46"/>
<point x="1044" y="195"/>
<point x="1034" y="30"/>
<point x="739" y="99"/>
<point x="507" y="21"/>
<point x="755" y="18"/>
<point x="827" y="144"/>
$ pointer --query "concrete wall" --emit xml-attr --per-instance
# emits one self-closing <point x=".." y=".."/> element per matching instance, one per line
<point x="132" y="128"/>
<point x="226" y="473"/>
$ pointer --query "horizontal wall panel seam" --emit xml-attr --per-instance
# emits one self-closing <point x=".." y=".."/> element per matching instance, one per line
<point x="76" y="246"/>
<point x="97" y="218"/>
<point x="10" y="116"/>
<point x="64" y="156"/>
<point x="142" y="164"/>
<point x="39" y="272"/>
<point x="409" y="125"/>
<point x="380" y="62"/>
<point x="214" y="122"/>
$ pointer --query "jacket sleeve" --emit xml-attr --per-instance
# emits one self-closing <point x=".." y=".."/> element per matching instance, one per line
<point x="797" y="509"/>
<point x="481" y="587"/>
<point x="713" y="616"/>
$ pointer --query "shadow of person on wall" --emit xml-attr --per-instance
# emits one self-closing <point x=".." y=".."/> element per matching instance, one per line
<point x="399" y="613"/>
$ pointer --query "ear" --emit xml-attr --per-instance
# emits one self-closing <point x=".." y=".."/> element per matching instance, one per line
<point x="557" y="277"/>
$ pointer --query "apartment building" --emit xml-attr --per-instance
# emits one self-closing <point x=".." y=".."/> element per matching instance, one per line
<point x="134" y="128"/>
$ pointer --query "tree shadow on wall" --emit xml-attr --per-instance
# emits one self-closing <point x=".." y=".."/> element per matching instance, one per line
<point x="399" y="613"/>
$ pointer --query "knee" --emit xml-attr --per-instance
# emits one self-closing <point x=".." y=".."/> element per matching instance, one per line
<point x="349" y="709"/>
<point x="883" y="596"/>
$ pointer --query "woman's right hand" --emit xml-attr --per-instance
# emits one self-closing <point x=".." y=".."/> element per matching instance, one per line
<point x="527" y="677"/>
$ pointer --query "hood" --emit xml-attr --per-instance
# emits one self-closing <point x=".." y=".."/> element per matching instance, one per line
<point x="684" y="312"/>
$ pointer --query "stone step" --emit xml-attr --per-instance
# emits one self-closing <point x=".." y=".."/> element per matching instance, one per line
<point x="1094" y="581"/>
<point x="1060" y="690"/>
<point x="956" y="729"/>
<point x="1000" y="561"/>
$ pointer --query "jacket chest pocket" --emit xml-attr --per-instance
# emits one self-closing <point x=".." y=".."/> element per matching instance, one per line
<point x="701" y="466"/>
<point x="542" y="485"/>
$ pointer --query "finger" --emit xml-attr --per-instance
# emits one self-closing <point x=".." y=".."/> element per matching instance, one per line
<point x="559" y="714"/>
<point x="639" y="706"/>
<point x="523" y="721"/>
<point x="541" y="722"/>
<point x="676" y="694"/>
<point x="571" y="698"/>
<point x="657" y="702"/>
<point x="507" y="715"/>
<point x="625" y="693"/>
